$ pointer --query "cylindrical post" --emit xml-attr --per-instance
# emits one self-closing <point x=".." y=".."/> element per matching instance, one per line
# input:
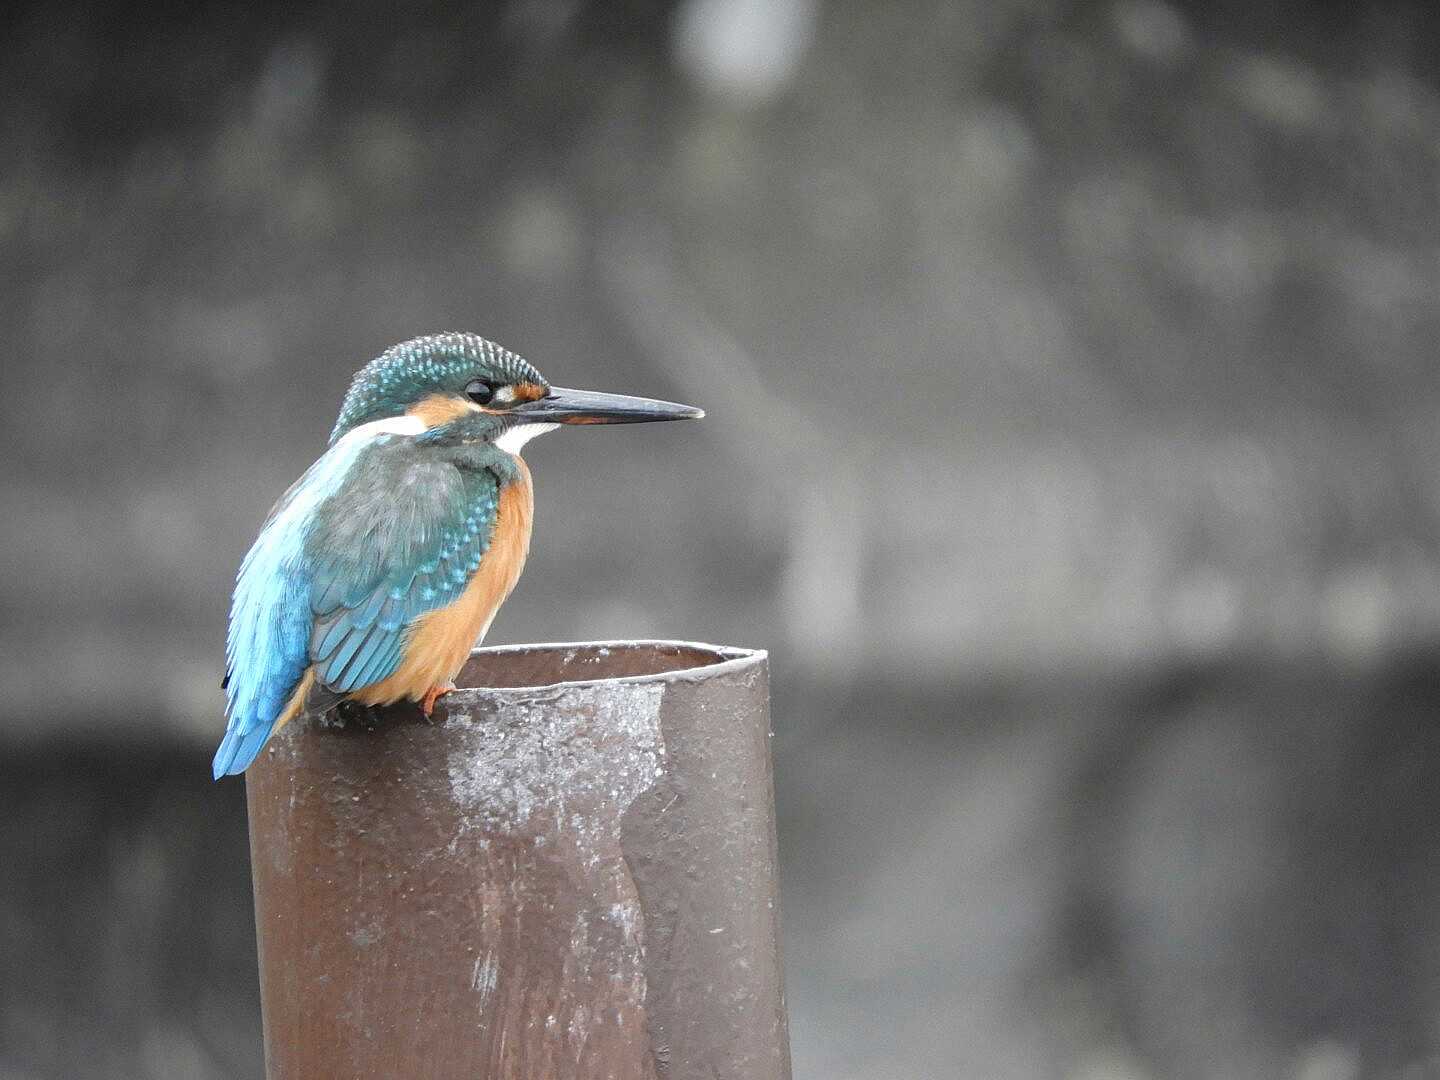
<point x="572" y="876"/>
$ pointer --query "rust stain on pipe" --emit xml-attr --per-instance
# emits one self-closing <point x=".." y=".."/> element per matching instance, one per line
<point x="569" y="874"/>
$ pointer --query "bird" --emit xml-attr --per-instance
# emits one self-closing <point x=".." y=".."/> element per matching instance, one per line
<point x="380" y="569"/>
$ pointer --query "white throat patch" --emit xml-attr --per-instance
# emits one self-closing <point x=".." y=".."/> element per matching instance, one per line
<point x="516" y="437"/>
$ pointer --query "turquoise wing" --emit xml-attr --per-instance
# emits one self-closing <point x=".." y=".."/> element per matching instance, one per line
<point x="404" y="543"/>
<point x="371" y="537"/>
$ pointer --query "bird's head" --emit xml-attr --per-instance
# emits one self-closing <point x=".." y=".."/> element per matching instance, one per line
<point x="442" y="378"/>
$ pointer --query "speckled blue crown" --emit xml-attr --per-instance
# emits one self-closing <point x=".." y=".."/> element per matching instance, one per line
<point x="432" y="364"/>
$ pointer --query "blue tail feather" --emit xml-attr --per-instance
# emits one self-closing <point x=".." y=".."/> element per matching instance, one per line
<point x="238" y="749"/>
<point x="267" y="646"/>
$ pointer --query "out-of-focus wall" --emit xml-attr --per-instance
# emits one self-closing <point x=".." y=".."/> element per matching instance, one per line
<point x="1071" y="442"/>
<point x="1032" y="335"/>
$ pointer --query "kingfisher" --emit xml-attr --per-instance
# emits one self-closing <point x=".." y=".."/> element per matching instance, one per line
<point x="384" y="564"/>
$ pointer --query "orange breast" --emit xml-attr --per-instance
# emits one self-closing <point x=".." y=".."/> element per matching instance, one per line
<point x="441" y="640"/>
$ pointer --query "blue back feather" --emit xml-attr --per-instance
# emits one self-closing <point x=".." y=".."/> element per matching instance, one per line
<point x="370" y="538"/>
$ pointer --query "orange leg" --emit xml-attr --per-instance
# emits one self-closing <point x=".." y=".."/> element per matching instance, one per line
<point x="434" y="694"/>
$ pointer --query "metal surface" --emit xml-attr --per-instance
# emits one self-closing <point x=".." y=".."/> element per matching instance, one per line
<point x="574" y="876"/>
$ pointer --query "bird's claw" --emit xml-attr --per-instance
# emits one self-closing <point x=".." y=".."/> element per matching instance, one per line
<point x="434" y="694"/>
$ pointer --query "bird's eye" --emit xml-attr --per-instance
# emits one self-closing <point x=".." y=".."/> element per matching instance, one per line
<point x="480" y="392"/>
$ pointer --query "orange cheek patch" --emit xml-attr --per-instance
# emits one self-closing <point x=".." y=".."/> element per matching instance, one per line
<point x="439" y="409"/>
<point x="529" y="391"/>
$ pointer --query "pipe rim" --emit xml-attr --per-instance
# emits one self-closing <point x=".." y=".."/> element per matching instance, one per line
<point x="728" y="659"/>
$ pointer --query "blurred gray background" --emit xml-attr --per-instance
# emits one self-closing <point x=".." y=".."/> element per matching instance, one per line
<point x="1071" y="443"/>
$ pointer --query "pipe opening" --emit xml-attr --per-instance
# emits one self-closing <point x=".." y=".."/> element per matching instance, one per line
<point x="508" y="667"/>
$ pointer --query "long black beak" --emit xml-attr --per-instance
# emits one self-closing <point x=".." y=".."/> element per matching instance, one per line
<point x="562" y="406"/>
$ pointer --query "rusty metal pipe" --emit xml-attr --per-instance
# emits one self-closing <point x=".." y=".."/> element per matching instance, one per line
<point x="568" y="873"/>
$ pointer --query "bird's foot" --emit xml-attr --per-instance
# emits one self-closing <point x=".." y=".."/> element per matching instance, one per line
<point x="434" y="694"/>
<point x="348" y="712"/>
